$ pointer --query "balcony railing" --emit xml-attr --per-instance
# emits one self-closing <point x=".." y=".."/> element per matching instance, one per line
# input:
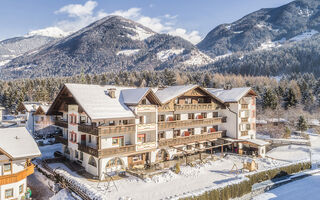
<point x="190" y="139"/>
<point x="146" y="146"/>
<point x="88" y="129"/>
<point x="61" y="140"/>
<point x="107" y="151"/>
<point x="146" y="127"/>
<point x="13" y="178"/>
<point x="246" y="119"/>
<point x="189" y="123"/>
<point x="146" y="108"/>
<point x="199" y="106"/>
<point x="61" y="123"/>
<point x="131" y="128"/>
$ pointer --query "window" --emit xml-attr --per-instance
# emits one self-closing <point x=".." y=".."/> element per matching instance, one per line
<point x="177" y="117"/>
<point x="244" y="106"/>
<point x="161" y="135"/>
<point x="7" y="167"/>
<point x="90" y="138"/>
<point x="188" y="101"/>
<point x="92" y="162"/>
<point x="176" y="133"/>
<point x="141" y="119"/>
<point x="82" y="119"/>
<point x="118" y="141"/>
<point x="73" y="137"/>
<point x="161" y="118"/>
<point x="144" y="101"/>
<point x="21" y="189"/>
<point x="248" y="126"/>
<point x="8" y="193"/>
<point x="112" y="123"/>
<point x="191" y="116"/>
<point x="200" y="100"/>
<point x="204" y="115"/>
<point x="125" y="122"/>
<point x="115" y="162"/>
<point x="191" y="131"/>
<point x="203" y="129"/>
<point x="141" y="138"/>
<point x="137" y="158"/>
<point x="215" y="114"/>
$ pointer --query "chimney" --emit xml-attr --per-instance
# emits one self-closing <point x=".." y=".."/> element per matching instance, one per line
<point x="112" y="92"/>
<point x="227" y="86"/>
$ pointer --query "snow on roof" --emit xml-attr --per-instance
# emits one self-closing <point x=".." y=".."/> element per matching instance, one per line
<point x="97" y="103"/>
<point x="133" y="96"/>
<point x="232" y="95"/>
<point x="314" y="122"/>
<point x="45" y="108"/>
<point x="18" y="143"/>
<point x="31" y="106"/>
<point x="257" y="142"/>
<point x="171" y="92"/>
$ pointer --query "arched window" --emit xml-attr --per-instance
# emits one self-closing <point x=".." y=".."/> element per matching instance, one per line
<point x="92" y="162"/>
<point x="115" y="162"/>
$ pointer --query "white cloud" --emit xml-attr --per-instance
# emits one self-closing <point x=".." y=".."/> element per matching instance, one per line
<point x="82" y="15"/>
<point x="78" y="10"/>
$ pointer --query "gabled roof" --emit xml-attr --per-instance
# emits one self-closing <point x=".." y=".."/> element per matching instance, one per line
<point x="31" y="106"/>
<point x="169" y="93"/>
<point x="135" y="95"/>
<point x="96" y="102"/>
<point x="42" y="109"/>
<point x="231" y="95"/>
<point x="18" y="143"/>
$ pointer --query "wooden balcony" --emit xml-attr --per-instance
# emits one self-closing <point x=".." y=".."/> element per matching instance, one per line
<point x="146" y="108"/>
<point x="165" y="108"/>
<point x="104" y="130"/>
<point x="243" y="120"/>
<point x="90" y="129"/>
<point x="244" y="133"/>
<point x="194" y="107"/>
<point x="147" y="127"/>
<point x="61" y="140"/>
<point x="146" y="146"/>
<point x="63" y="124"/>
<point x="108" y="151"/>
<point x="13" y="178"/>
<point x="189" y="123"/>
<point x="190" y="139"/>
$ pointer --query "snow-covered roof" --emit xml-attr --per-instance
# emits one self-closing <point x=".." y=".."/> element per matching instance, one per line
<point x="171" y="92"/>
<point x="97" y="103"/>
<point x="18" y="143"/>
<point x="231" y="95"/>
<point x="281" y="120"/>
<point x="134" y="95"/>
<point x="31" y="106"/>
<point x="314" y="122"/>
<point x="257" y="142"/>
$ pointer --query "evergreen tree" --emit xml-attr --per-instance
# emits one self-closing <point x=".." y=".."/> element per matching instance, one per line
<point x="269" y="99"/>
<point x="290" y="99"/>
<point x="302" y="124"/>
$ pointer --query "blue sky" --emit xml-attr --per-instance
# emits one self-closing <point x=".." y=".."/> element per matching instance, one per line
<point x="191" y="19"/>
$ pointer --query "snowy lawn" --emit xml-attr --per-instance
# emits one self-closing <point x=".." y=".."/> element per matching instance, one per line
<point x="306" y="189"/>
<point x="170" y="185"/>
<point x="290" y="153"/>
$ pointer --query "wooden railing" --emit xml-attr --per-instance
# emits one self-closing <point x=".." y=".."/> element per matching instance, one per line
<point x="131" y="128"/>
<point x="88" y="129"/>
<point x="107" y="151"/>
<point x="246" y="119"/>
<point x="146" y="146"/>
<point x="13" y="178"/>
<point x="199" y="106"/>
<point x="146" y="108"/>
<point x="165" y="108"/>
<point x="190" y="139"/>
<point x="61" y="123"/>
<point x="61" y="140"/>
<point x="189" y="123"/>
<point x="244" y="133"/>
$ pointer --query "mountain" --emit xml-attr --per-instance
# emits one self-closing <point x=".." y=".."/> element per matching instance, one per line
<point x="112" y="43"/>
<point x="14" y="47"/>
<point x="265" y="29"/>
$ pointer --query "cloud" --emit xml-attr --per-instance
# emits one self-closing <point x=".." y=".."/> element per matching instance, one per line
<point x="78" y="10"/>
<point x="80" y="16"/>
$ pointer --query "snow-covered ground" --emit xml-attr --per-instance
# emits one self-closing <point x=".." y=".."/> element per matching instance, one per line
<point x="169" y="185"/>
<point x="128" y="52"/>
<point x="62" y="195"/>
<point x="47" y="151"/>
<point x="290" y="153"/>
<point x="306" y="189"/>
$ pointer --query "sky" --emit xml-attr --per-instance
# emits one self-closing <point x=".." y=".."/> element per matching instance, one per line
<point x="190" y="19"/>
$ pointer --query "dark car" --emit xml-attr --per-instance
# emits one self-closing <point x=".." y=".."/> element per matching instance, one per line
<point x="57" y="154"/>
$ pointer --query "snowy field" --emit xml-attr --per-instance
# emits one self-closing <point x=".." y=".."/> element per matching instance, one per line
<point x="306" y="189"/>
<point x="290" y="153"/>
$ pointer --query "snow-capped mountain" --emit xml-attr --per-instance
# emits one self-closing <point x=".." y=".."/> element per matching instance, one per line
<point x="112" y="43"/>
<point x="265" y="29"/>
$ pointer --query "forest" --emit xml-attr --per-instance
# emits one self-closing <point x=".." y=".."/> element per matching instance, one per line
<point x="290" y="96"/>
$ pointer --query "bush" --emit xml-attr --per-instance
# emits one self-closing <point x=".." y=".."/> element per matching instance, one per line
<point x="177" y="168"/>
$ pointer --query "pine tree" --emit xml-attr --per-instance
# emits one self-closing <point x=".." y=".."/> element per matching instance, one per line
<point x="302" y="124"/>
<point x="290" y="99"/>
<point x="269" y="99"/>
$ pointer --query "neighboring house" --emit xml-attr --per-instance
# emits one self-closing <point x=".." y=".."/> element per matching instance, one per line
<point x="17" y="148"/>
<point x="108" y="128"/>
<point x="32" y="115"/>
<point x="43" y="124"/>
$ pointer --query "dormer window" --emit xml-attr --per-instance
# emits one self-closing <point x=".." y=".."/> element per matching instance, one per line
<point x="144" y="101"/>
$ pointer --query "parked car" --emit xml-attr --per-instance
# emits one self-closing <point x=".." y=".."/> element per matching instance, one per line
<point x="57" y="154"/>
